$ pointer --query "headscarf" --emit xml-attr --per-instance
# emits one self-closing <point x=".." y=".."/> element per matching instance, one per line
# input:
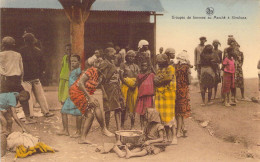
<point x="108" y="51"/>
<point x="130" y="53"/>
<point x="216" y="41"/>
<point x="8" y="41"/>
<point x="183" y="57"/>
<point x="169" y="50"/>
<point x="153" y="115"/>
<point x="30" y="38"/>
<point x="162" y="58"/>
<point x="143" y="43"/>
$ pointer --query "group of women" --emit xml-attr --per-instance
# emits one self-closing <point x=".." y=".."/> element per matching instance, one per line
<point x="215" y="69"/>
<point x="130" y="89"/>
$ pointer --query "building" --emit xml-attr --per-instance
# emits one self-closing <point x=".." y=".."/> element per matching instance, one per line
<point x="123" y="22"/>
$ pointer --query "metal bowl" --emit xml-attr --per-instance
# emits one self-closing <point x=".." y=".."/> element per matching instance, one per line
<point x="129" y="136"/>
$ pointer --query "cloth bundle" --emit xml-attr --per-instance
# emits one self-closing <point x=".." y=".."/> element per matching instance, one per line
<point x="16" y="139"/>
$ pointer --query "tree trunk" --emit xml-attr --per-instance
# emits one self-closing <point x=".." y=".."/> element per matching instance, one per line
<point x="77" y="40"/>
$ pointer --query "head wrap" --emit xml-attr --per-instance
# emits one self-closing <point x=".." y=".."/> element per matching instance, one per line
<point x="162" y="58"/>
<point x="183" y="57"/>
<point x="108" y="51"/>
<point x="153" y="115"/>
<point x="29" y="37"/>
<point x="130" y="53"/>
<point x="216" y="41"/>
<point x="203" y="38"/>
<point x="8" y="41"/>
<point x="169" y="50"/>
<point x="143" y="43"/>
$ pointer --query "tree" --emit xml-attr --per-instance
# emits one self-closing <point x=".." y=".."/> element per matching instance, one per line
<point x="77" y="11"/>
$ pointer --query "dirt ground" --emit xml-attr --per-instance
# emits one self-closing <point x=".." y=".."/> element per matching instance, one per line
<point x="215" y="133"/>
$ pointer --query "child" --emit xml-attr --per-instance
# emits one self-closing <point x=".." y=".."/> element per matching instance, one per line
<point x="228" y="77"/>
<point x="128" y="74"/>
<point x="69" y="107"/>
<point x="63" y="92"/>
<point x="165" y="94"/>
<point x="8" y="101"/>
<point x="145" y="91"/>
<point x="153" y="138"/>
<point x="182" y="102"/>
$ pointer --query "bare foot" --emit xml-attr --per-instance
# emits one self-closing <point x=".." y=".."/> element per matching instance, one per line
<point x="203" y="104"/>
<point x="179" y="134"/>
<point x="174" y="141"/>
<point x="120" y="153"/>
<point x="210" y="103"/>
<point x="63" y="133"/>
<point x="30" y="121"/>
<point x="227" y="105"/>
<point x="84" y="141"/>
<point x="76" y="135"/>
<point x="128" y="153"/>
<point x="107" y="133"/>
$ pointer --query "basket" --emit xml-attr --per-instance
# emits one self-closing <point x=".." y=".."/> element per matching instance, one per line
<point x="129" y="136"/>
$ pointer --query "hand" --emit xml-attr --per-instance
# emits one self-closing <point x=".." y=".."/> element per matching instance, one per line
<point x="25" y="130"/>
<point x="93" y="102"/>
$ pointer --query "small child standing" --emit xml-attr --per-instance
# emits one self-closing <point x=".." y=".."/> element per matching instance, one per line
<point x="145" y="91"/>
<point x="8" y="102"/>
<point x="69" y="107"/>
<point x="228" y="76"/>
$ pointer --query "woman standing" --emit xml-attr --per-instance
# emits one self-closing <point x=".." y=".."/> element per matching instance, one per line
<point x="81" y="95"/>
<point x="165" y="94"/>
<point x="208" y="66"/>
<point x="112" y="96"/>
<point x="239" y="78"/>
<point x="183" y="76"/>
<point x="128" y="74"/>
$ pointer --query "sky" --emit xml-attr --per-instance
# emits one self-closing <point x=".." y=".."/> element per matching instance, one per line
<point x="183" y="34"/>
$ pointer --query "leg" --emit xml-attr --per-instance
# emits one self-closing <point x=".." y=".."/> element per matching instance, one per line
<point x="9" y="121"/>
<point x="40" y="97"/>
<point x="101" y="122"/>
<point x="123" y="118"/>
<point x="28" y="87"/>
<point x="215" y="91"/>
<point x="86" y="127"/>
<point x="117" y="118"/>
<point x="184" y="130"/>
<point x="132" y="117"/>
<point x="179" y="125"/>
<point x="233" y="90"/>
<point x="3" y="123"/>
<point x="78" y="126"/>
<point x="203" y="91"/>
<point x="65" y="130"/>
<point x="227" y="103"/>
<point x="107" y="118"/>
<point x="242" y="93"/>
<point x="119" y="152"/>
<point x="130" y="154"/>
<point x="209" y="96"/>
<point x="142" y="121"/>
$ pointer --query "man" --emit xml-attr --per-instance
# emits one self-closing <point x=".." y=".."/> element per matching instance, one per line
<point x="161" y="50"/>
<point x="63" y="92"/>
<point x="33" y="68"/>
<point x="197" y="52"/>
<point x="11" y="72"/>
<point x="218" y="56"/>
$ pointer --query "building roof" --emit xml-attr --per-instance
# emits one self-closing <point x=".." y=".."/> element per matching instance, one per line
<point x="99" y="5"/>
